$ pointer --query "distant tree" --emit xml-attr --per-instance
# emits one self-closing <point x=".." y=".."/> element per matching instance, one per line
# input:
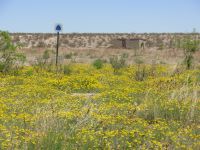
<point x="9" y="57"/>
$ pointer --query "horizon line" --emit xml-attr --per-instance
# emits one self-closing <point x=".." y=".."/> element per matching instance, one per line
<point x="102" y="32"/>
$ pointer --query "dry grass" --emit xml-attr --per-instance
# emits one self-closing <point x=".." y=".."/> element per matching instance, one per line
<point x="83" y="55"/>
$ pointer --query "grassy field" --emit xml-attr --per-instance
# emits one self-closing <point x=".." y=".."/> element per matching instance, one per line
<point x="137" y="107"/>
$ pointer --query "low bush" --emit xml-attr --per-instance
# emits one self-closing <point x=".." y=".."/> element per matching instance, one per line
<point x="67" y="69"/>
<point x="68" y="56"/>
<point x="117" y="62"/>
<point x="98" y="64"/>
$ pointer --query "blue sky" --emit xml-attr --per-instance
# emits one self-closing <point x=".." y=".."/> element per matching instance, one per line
<point x="100" y="15"/>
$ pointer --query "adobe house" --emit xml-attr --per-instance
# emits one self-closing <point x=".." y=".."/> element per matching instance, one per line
<point x="136" y="43"/>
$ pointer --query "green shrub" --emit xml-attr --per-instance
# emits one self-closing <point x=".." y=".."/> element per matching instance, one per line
<point x="10" y="59"/>
<point x="2" y="66"/>
<point x="140" y="73"/>
<point x="190" y="47"/>
<point x="29" y="72"/>
<point x="125" y="55"/>
<point x="46" y="55"/>
<point x="98" y="64"/>
<point x="68" y="56"/>
<point x="117" y="62"/>
<point x="67" y="69"/>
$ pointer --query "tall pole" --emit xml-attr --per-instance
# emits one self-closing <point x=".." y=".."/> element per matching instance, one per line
<point x="57" y="48"/>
